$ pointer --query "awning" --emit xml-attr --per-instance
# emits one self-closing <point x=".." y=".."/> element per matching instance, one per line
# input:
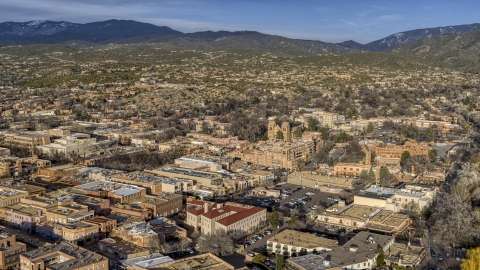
<point x="95" y="237"/>
<point x="26" y="227"/>
<point x="48" y="234"/>
<point x="54" y="236"/>
<point x="16" y="224"/>
<point x="38" y="231"/>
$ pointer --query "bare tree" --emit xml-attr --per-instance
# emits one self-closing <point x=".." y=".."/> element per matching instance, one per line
<point x="219" y="243"/>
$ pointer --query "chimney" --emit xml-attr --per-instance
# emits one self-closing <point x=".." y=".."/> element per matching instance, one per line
<point x="205" y="207"/>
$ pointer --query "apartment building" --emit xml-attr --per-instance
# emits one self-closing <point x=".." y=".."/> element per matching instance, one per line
<point x="139" y="234"/>
<point x="62" y="255"/>
<point x="294" y="243"/>
<point x="10" y="251"/>
<point x="153" y="183"/>
<point x="105" y="225"/>
<point x="237" y="220"/>
<point x="51" y="174"/>
<point x="27" y="140"/>
<point x="395" y="199"/>
<point x="280" y="155"/>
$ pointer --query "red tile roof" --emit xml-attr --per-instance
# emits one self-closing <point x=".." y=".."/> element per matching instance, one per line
<point x="227" y="221"/>
<point x="218" y="212"/>
<point x="196" y="212"/>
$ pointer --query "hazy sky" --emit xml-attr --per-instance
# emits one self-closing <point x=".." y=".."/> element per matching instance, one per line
<point x="330" y="21"/>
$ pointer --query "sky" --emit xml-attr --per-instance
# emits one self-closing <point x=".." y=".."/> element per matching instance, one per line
<point x="328" y="21"/>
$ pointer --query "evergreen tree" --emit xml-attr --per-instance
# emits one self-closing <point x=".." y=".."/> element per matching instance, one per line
<point x="298" y="132"/>
<point x="274" y="221"/>
<point x="265" y="136"/>
<point x="370" y="127"/>
<point x="432" y="154"/>
<point x="380" y="257"/>
<point x="405" y="156"/>
<point x="371" y="177"/>
<point x="279" y="264"/>
<point x="279" y="135"/>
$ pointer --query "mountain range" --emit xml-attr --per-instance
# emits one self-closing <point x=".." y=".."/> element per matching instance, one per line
<point x="133" y="32"/>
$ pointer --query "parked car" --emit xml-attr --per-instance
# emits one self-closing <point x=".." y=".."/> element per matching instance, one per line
<point x="251" y="254"/>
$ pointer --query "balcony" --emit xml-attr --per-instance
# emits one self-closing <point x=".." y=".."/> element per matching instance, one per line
<point x="270" y="244"/>
<point x="278" y="251"/>
<point x="270" y="249"/>
<point x="285" y="248"/>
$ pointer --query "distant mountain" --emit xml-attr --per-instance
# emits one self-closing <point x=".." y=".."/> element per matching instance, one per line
<point x="34" y="32"/>
<point x="132" y="32"/>
<point x="458" y="51"/>
<point x="402" y="38"/>
<point x="249" y="40"/>
<point x="353" y="45"/>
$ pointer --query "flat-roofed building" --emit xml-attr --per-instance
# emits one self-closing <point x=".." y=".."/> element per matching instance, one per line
<point x="315" y="180"/>
<point x="360" y="252"/>
<point x="118" y="250"/>
<point x="153" y="183"/>
<point x="10" y="251"/>
<point x="51" y="174"/>
<point x="150" y="261"/>
<point x="116" y="192"/>
<point x="8" y="197"/>
<point x="396" y="199"/>
<point x="207" y="180"/>
<point x="395" y="151"/>
<point x="4" y="151"/>
<point x="164" y="204"/>
<point x="65" y="214"/>
<point x="62" y="255"/>
<point x="28" y="140"/>
<point x="70" y="147"/>
<point x="350" y="169"/>
<point x="295" y="243"/>
<point x="356" y="217"/>
<point x="80" y="233"/>
<point x="288" y="156"/>
<point x="22" y="216"/>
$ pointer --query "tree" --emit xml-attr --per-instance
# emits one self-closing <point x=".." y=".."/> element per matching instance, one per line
<point x="298" y="132"/>
<point x="259" y="258"/>
<point x="274" y="220"/>
<point x="311" y="125"/>
<point x="279" y="264"/>
<point x="405" y="156"/>
<point x="473" y="259"/>
<point x="370" y="127"/>
<point x="279" y="135"/>
<point x="386" y="178"/>
<point x="380" y="257"/>
<point x="324" y="132"/>
<point x="265" y="136"/>
<point x="218" y="243"/>
<point x="432" y="154"/>
<point x="205" y="127"/>
<point x="371" y="176"/>
<point x="411" y="208"/>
